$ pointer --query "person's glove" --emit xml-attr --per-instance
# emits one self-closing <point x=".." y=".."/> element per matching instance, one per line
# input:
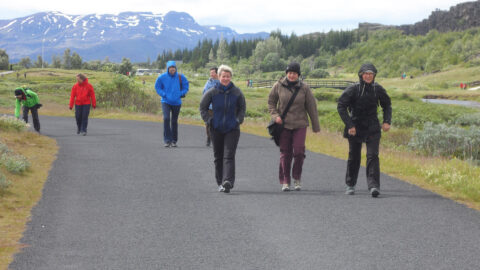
<point x="39" y="105"/>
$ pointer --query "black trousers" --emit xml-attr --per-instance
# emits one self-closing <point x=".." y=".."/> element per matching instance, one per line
<point x="373" y="162"/>
<point x="36" y="121"/>
<point x="81" y="116"/>
<point x="224" y="149"/>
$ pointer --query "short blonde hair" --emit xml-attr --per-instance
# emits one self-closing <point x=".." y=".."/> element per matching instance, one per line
<point x="225" y="68"/>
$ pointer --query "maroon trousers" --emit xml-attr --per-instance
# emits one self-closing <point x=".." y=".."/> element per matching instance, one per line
<point x="292" y="147"/>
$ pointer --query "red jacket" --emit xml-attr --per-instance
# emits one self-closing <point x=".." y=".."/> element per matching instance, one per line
<point x="82" y="93"/>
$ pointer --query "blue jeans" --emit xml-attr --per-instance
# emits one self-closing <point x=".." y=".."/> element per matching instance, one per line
<point x="170" y="122"/>
<point x="81" y="115"/>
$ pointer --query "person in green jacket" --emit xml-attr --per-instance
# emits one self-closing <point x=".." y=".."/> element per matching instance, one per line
<point x="30" y="101"/>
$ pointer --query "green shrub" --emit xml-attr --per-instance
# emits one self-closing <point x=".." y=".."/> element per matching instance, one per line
<point x="123" y="92"/>
<point x="416" y="114"/>
<point x="12" y="123"/>
<point x="330" y="120"/>
<point x="14" y="163"/>
<point x="4" y="182"/>
<point x="447" y="141"/>
<point x="3" y="148"/>
<point x="319" y="73"/>
<point x="472" y="119"/>
<point x="254" y="114"/>
<point x="322" y="96"/>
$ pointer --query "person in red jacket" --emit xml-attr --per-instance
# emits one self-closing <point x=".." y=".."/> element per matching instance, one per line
<point x="84" y="97"/>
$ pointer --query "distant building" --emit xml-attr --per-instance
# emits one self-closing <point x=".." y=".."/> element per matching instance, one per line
<point x="146" y="71"/>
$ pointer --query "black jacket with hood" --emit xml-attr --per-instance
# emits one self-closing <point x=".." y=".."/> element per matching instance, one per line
<point x="358" y="104"/>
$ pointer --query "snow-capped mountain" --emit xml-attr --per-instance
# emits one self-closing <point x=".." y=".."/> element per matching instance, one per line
<point x="135" y="35"/>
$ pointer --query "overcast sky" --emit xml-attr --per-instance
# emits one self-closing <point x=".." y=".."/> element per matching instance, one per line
<point x="249" y="16"/>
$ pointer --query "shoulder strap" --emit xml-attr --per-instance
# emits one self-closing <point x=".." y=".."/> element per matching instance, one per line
<point x="290" y="102"/>
<point x="180" y="79"/>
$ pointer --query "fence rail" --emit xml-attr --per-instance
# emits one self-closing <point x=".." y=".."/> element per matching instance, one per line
<point x="312" y="83"/>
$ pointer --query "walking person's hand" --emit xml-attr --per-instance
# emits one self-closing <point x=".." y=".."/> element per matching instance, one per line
<point x="352" y="131"/>
<point x="386" y="127"/>
<point x="278" y="120"/>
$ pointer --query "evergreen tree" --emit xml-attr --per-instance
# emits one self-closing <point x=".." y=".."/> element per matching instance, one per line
<point x="223" y="53"/>
<point x="125" y="67"/>
<point x="4" y="61"/>
<point x="67" y="59"/>
<point x="39" y="63"/>
<point x="25" y="62"/>
<point x="76" y="61"/>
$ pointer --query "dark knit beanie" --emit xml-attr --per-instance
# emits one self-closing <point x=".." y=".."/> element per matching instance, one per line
<point x="18" y="92"/>
<point x="295" y="67"/>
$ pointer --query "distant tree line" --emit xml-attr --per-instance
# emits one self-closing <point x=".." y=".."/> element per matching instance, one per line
<point x="73" y="60"/>
<point x="258" y="55"/>
<point x="320" y="54"/>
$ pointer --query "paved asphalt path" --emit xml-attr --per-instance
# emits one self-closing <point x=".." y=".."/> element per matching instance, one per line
<point x="116" y="199"/>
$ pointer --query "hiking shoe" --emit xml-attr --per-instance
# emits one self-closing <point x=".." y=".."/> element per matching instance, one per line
<point x="166" y="145"/>
<point x="78" y="131"/>
<point x="227" y="186"/>
<point x="298" y="186"/>
<point x="285" y="187"/>
<point x="84" y="133"/>
<point x="174" y="144"/>
<point x="374" y="192"/>
<point x="350" y="191"/>
<point x="221" y="188"/>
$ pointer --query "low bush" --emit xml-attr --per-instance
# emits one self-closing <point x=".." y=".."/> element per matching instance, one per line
<point x="472" y="119"/>
<point x="4" y="182"/>
<point x="447" y="141"/>
<point x="123" y="92"/>
<point x="8" y="123"/>
<point x="14" y="163"/>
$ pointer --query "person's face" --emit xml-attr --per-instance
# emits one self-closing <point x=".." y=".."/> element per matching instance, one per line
<point x="368" y="77"/>
<point x="292" y="76"/>
<point x="213" y="74"/>
<point x="172" y="70"/>
<point x="79" y="80"/>
<point x="225" y="78"/>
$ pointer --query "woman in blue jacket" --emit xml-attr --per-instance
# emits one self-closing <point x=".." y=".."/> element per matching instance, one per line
<point x="228" y="105"/>
<point x="171" y="86"/>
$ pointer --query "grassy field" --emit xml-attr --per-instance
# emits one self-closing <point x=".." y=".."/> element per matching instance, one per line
<point x="447" y="176"/>
<point x="17" y="201"/>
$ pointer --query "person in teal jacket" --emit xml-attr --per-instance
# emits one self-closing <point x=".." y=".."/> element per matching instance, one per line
<point x="30" y="101"/>
<point x="171" y="86"/>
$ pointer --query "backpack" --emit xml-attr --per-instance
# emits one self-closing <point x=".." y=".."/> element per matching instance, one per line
<point x="181" y="86"/>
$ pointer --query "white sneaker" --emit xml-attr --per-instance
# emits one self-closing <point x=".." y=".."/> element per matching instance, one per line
<point x="350" y="190"/>
<point x="221" y="188"/>
<point x="285" y="187"/>
<point x="374" y="192"/>
<point x="298" y="186"/>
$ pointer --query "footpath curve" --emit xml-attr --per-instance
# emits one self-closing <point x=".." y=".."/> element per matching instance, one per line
<point x="116" y="199"/>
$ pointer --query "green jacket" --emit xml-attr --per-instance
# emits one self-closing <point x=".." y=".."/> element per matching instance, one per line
<point x="30" y="101"/>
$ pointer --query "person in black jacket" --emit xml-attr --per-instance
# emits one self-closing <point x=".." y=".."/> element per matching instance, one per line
<point x="228" y="105"/>
<point x="357" y="107"/>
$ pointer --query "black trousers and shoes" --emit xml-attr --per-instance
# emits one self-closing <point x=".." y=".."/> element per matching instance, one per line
<point x="36" y="121"/>
<point x="373" y="163"/>
<point x="224" y="149"/>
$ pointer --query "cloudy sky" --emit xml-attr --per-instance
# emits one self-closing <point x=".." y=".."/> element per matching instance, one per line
<point x="247" y="16"/>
